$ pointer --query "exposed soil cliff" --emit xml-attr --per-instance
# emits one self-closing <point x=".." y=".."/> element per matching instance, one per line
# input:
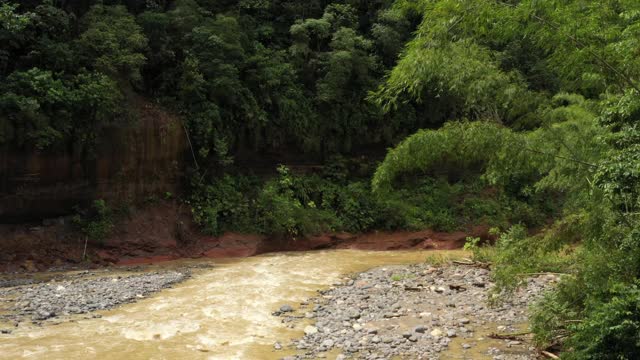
<point x="128" y="163"/>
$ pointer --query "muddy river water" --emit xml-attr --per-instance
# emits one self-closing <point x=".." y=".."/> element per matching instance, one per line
<point x="220" y="313"/>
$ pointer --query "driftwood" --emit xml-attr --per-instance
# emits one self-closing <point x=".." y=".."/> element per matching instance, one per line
<point x="549" y="355"/>
<point x="413" y="288"/>
<point x="459" y="262"/>
<point x="472" y="263"/>
<point x="542" y="273"/>
<point x="457" y="287"/>
<point x="513" y="336"/>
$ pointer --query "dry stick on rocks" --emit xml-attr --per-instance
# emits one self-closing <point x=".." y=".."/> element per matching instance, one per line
<point x="542" y="273"/>
<point x="514" y="336"/>
<point x="549" y="355"/>
<point x="474" y="264"/>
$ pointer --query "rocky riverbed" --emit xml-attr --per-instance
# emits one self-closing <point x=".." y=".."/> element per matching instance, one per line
<point x="80" y="293"/>
<point x="414" y="312"/>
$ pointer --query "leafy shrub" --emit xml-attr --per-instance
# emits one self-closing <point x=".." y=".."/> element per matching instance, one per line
<point x="611" y="330"/>
<point x="300" y="205"/>
<point x="222" y="205"/>
<point x="480" y="253"/>
<point x="511" y="268"/>
<point x="97" y="222"/>
<point x="287" y="209"/>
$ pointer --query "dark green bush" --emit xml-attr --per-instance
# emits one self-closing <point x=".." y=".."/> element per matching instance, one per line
<point x="96" y="222"/>
<point x="301" y="205"/>
<point x="223" y="205"/>
<point x="611" y="329"/>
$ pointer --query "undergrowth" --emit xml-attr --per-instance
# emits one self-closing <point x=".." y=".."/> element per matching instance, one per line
<point x="297" y="205"/>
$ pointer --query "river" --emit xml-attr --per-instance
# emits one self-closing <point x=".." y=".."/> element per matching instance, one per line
<point x="220" y="313"/>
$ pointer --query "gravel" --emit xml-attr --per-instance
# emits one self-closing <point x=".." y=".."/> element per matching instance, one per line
<point x="414" y="312"/>
<point x="53" y="299"/>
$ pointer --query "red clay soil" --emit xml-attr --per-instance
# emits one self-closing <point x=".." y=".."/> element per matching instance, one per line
<point x="164" y="232"/>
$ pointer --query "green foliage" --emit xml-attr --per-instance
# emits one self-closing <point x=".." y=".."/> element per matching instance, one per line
<point x="112" y="42"/>
<point x="95" y="223"/>
<point x="302" y="205"/>
<point x="569" y="91"/>
<point x="610" y="330"/>
<point x="218" y="206"/>
<point x="42" y="110"/>
<point x="481" y="253"/>
<point x="57" y="90"/>
<point x="287" y="208"/>
<point x="456" y="144"/>
<point x="11" y="21"/>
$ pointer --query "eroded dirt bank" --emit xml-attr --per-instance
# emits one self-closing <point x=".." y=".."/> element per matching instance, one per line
<point x="165" y="232"/>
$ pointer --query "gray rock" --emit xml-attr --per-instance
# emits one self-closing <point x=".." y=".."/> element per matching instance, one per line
<point x="421" y="329"/>
<point x="327" y="343"/>
<point x="286" y="308"/>
<point x="310" y="330"/>
<point x="43" y="315"/>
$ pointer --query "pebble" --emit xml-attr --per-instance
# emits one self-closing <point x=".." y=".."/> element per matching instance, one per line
<point x="420" y="329"/>
<point x="328" y="343"/>
<point x="310" y="330"/>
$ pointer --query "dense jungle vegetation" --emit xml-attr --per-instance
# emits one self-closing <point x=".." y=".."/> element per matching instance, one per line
<point x="519" y="114"/>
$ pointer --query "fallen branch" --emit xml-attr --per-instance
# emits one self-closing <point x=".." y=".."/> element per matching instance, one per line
<point x="463" y="262"/>
<point x="550" y="355"/>
<point x="542" y="273"/>
<point x="472" y="263"/>
<point x="457" y="287"/>
<point x="514" y="336"/>
<point x="412" y="288"/>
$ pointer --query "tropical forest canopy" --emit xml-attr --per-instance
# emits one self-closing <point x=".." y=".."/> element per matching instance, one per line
<point x="522" y="115"/>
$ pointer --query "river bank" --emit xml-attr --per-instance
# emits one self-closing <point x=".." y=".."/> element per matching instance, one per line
<point x="416" y="312"/>
<point x="56" y="297"/>
<point x="165" y="232"/>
